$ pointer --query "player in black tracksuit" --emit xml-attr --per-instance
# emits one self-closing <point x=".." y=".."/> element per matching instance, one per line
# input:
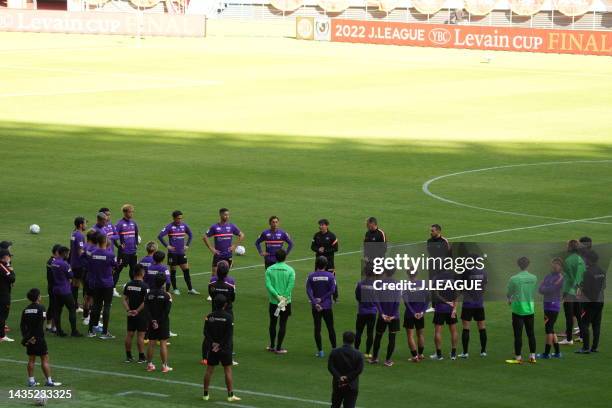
<point x="374" y="242"/>
<point x="324" y="243"/>
<point x="7" y="279"/>
<point x="437" y="247"/>
<point x="158" y="304"/>
<point x="218" y="342"/>
<point x="134" y="295"/>
<point x="33" y="338"/>
<point x="592" y="289"/>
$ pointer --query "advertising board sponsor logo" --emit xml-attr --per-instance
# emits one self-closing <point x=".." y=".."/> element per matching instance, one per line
<point x="322" y="29"/>
<point x="304" y="28"/>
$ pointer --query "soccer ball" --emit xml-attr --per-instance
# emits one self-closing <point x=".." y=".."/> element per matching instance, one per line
<point x="34" y="229"/>
<point x="40" y="402"/>
<point x="240" y="250"/>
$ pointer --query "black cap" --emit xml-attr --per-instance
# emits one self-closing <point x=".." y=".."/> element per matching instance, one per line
<point x="5" y="244"/>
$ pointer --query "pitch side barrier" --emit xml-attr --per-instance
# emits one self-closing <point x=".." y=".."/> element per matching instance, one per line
<point x="456" y="36"/>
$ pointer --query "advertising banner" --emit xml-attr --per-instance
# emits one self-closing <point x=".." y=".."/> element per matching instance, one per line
<point x="53" y="21"/>
<point x="473" y="37"/>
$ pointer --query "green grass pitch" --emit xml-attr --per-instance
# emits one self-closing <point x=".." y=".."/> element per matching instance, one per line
<point x="301" y="130"/>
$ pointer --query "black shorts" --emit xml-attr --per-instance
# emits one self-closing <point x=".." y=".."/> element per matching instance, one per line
<point x="86" y="289"/>
<point x="128" y="259"/>
<point x="478" y="314"/>
<point x="176" y="259"/>
<point x="411" y="323"/>
<point x="272" y="309"/>
<point x="268" y="263"/>
<point x="137" y="323"/>
<point x="4" y="310"/>
<point x="161" y="333"/>
<point x="441" y="318"/>
<point x="216" y="259"/>
<point x="550" y="318"/>
<point x="37" y="349"/>
<point x="78" y="273"/>
<point x="214" y="358"/>
<point x="393" y="325"/>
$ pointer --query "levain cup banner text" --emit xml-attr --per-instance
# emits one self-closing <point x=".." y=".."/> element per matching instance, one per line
<point x="473" y="37"/>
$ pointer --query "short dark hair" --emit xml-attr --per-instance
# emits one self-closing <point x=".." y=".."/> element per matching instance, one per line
<point x="222" y="270"/>
<point x="348" y="337"/>
<point x="100" y="238"/>
<point x="176" y="213"/>
<point x="321" y="263"/>
<point x="323" y="221"/>
<point x="222" y="210"/>
<point x="437" y="227"/>
<point x="104" y="210"/>
<point x="159" y="256"/>
<point x="160" y="280"/>
<point x="586" y="242"/>
<point x="91" y="235"/>
<point x="55" y="248"/>
<point x="219" y="301"/>
<point x="280" y="255"/>
<point x="523" y="262"/>
<point x="372" y="220"/>
<point x="79" y="221"/>
<point x="274" y="217"/>
<point x="101" y="216"/>
<point x="573" y="245"/>
<point x="33" y="294"/>
<point x="139" y="270"/>
<point x="63" y="251"/>
<point x="4" y="252"/>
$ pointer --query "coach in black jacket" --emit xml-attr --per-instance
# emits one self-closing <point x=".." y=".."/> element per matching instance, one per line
<point x="345" y="365"/>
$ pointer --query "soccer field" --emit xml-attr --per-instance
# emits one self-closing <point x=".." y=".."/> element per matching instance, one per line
<point x="273" y="126"/>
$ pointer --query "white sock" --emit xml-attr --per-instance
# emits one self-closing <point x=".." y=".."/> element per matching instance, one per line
<point x="532" y="355"/>
<point x="49" y="379"/>
<point x="519" y="357"/>
<point x="31" y="379"/>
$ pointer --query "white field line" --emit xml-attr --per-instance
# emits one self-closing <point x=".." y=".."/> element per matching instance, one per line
<point x="231" y="404"/>
<point x="478" y="234"/>
<point x="150" y="394"/>
<point x="427" y="184"/>
<point x="176" y="382"/>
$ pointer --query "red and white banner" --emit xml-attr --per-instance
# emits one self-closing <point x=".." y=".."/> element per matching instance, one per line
<point x="473" y="37"/>
<point x="52" y="21"/>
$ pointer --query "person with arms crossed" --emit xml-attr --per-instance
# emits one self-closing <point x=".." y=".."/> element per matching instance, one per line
<point x="550" y="288"/>
<point x="33" y="338"/>
<point x="157" y="305"/>
<point x="324" y="243"/>
<point x="345" y="364"/>
<point x="217" y="346"/>
<point x="77" y="248"/>
<point x="320" y="287"/>
<point x="134" y="295"/>
<point x="280" y="281"/>
<point x="520" y="293"/>
<point x="273" y="238"/>
<point x="113" y="242"/>
<point x="51" y="310"/>
<point x="177" y="250"/>
<point x="127" y="230"/>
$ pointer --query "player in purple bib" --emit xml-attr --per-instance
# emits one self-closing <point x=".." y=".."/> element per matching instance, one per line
<point x="273" y="238"/>
<point x="157" y="268"/>
<point x="77" y="249"/>
<point x="320" y="287"/>
<point x="551" y="288"/>
<point x="473" y="308"/>
<point x="179" y="238"/>
<point x="416" y="300"/>
<point x="100" y="265"/>
<point x="62" y="290"/>
<point x="223" y="233"/>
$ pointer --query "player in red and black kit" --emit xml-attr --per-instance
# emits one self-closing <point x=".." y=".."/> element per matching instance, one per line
<point x="324" y="243"/>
